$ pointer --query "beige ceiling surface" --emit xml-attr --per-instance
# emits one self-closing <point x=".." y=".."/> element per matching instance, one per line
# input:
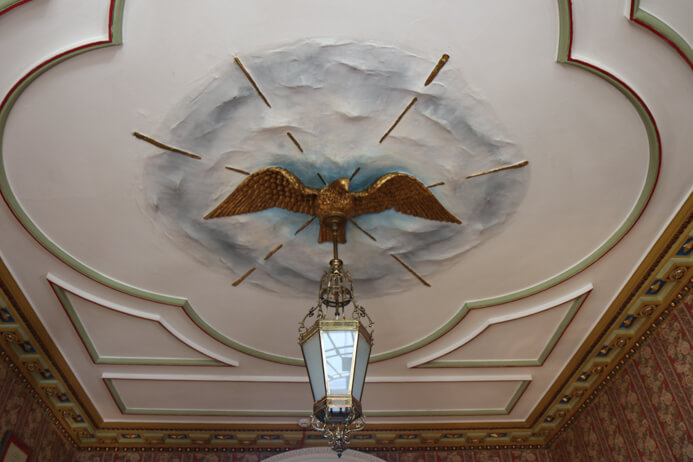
<point x="156" y="334"/>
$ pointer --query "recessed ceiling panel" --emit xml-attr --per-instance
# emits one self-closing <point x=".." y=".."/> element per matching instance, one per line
<point x="196" y="397"/>
<point x="499" y="344"/>
<point x="113" y="337"/>
<point x="271" y="398"/>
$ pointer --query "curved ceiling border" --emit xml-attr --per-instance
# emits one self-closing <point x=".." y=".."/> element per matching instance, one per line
<point x="62" y="292"/>
<point x="577" y="298"/>
<point x="115" y="38"/>
<point x="9" y="5"/>
<point x="662" y="30"/>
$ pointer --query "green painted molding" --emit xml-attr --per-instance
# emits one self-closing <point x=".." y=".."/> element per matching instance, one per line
<point x="649" y="20"/>
<point x="8" y="4"/>
<point x="115" y="38"/>
<point x="521" y="387"/>
<point x="538" y="361"/>
<point x="98" y="359"/>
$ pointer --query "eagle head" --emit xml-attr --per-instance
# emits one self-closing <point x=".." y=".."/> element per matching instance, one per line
<point x="344" y="183"/>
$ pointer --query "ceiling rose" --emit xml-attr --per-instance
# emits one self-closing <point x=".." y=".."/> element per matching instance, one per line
<point x="329" y="110"/>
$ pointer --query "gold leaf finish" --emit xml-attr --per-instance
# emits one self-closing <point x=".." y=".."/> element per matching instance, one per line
<point x="405" y="194"/>
<point x="277" y="187"/>
<point x="242" y="278"/>
<point x="161" y="145"/>
<point x="411" y="270"/>
<point x="392" y="127"/>
<point x="267" y="188"/>
<point x="295" y="141"/>
<point x="252" y="81"/>
<point x="441" y="62"/>
<point x="500" y="169"/>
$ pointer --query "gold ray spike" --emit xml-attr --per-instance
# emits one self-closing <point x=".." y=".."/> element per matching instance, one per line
<point x="406" y="109"/>
<point x="237" y="170"/>
<point x="252" y="82"/>
<point x="291" y="137"/>
<point x="499" y="169"/>
<point x="304" y="225"/>
<point x="273" y="251"/>
<point x="242" y="278"/>
<point x="358" y="169"/>
<point x="321" y="179"/>
<point x="408" y="268"/>
<point x="361" y="229"/>
<point x="161" y="145"/>
<point x="440" y="183"/>
<point x="441" y="62"/>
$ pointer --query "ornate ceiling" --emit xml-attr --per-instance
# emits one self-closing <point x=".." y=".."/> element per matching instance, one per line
<point x="139" y="322"/>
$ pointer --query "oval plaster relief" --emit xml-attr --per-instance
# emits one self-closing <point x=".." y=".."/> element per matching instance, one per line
<point x="337" y="99"/>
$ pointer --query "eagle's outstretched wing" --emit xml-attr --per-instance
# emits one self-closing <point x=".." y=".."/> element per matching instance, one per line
<point x="267" y="188"/>
<point x="405" y="194"/>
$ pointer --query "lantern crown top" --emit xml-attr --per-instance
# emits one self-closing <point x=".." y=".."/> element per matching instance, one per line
<point x="336" y="291"/>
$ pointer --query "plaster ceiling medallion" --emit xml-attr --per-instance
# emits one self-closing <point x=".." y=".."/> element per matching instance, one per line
<point x="324" y="110"/>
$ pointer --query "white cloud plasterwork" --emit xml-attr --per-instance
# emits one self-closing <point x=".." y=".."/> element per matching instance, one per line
<point x="337" y="99"/>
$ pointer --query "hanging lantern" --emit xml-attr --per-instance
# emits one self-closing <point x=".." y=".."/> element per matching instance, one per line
<point x="336" y="352"/>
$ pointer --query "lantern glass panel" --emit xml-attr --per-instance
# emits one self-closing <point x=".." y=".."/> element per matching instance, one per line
<point x="338" y="349"/>
<point x="313" y="358"/>
<point x="363" y="352"/>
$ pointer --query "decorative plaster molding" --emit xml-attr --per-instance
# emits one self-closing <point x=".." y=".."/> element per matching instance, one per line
<point x="661" y="29"/>
<point x="8" y="5"/>
<point x="628" y="322"/>
<point x="577" y="297"/>
<point x="61" y="290"/>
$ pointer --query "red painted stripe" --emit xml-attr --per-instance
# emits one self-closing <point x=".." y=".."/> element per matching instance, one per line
<point x="658" y="34"/>
<point x="12" y="7"/>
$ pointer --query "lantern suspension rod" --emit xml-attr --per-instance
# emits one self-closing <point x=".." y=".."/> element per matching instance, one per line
<point x="335" y="245"/>
<point x="335" y="255"/>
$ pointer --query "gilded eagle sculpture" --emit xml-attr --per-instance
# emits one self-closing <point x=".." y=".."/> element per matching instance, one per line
<point x="333" y="204"/>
